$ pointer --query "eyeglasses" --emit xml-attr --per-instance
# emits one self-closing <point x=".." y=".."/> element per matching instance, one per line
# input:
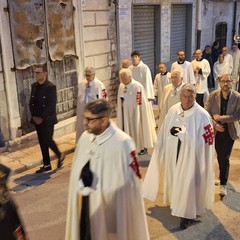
<point x="37" y="73"/>
<point x="225" y="81"/>
<point x="88" y="75"/>
<point x="91" y="120"/>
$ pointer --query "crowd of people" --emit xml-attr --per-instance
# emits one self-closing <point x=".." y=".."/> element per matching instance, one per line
<point x="198" y="109"/>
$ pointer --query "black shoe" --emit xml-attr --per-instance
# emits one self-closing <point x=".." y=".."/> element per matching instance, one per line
<point x="185" y="223"/>
<point x="44" y="169"/>
<point x="60" y="160"/>
<point x="143" y="151"/>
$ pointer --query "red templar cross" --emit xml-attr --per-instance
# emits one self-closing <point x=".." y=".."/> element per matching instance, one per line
<point x="208" y="135"/>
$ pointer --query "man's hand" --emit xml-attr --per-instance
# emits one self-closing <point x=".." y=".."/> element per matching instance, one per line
<point x="37" y="120"/>
<point x="217" y="117"/>
<point x="219" y="127"/>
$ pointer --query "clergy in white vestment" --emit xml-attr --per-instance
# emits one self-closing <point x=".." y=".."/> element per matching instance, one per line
<point x="201" y="69"/>
<point x="133" y="112"/>
<point x="162" y="79"/>
<point x="185" y="154"/>
<point x="227" y="57"/>
<point x="236" y="65"/>
<point x="171" y="94"/>
<point x="105" y="198"/>
<point x="142" y="74"/>
<point x="185" y="66"/>
<point x="220" y="68"/>
<point x="89" y="89"/>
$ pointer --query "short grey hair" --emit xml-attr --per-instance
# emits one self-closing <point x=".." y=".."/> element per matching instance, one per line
<point x="125" y="71"/>
<point x="179" y="72"/>
<point x="190" y="88"/>
<point x="90" y="69"/>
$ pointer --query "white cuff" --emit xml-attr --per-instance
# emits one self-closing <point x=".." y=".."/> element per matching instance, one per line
<point x="84" y="191"/>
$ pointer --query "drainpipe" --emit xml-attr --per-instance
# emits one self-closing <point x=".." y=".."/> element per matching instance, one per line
<point x="198" y="25"/>
<point x="234" y="21"/>
<point x="116" y="2"/>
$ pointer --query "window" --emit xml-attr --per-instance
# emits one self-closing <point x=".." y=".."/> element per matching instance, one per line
<point x="221" y="34"/>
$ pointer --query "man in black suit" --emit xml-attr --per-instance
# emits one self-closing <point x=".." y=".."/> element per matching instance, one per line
<point x="42" y="105"/>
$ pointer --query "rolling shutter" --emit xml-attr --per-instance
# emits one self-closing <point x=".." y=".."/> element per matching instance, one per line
<point x="143" y="34"/>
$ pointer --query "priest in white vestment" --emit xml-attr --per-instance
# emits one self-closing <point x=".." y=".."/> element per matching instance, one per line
<point x="201" y="69"/>
<point x="220" y="68"/>
<point x="105" y="198"/>
<point x="185" y="66"/>
<point x="89" y="89"/>
<point x="236" y="65"/>
<point x="133" y="115"/>
<point x="162" y="79"/>
<point x="185" y="152"/>
<point x="142" y="74"/>
<point x="171" y="94"/>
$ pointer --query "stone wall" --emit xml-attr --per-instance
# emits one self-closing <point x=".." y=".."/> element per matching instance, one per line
<point x="100" y="44"/>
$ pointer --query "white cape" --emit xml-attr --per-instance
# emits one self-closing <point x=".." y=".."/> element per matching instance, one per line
<point x="135" y="117"/>
<point x="189" y="183"/>
<point x="116" y="204"/>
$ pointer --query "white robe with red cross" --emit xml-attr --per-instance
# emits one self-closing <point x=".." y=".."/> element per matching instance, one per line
<point x="188" y="184"/>
<point x="116" y="204"/>
<point x="134" y="116"/>
<point x="87" y="92"/>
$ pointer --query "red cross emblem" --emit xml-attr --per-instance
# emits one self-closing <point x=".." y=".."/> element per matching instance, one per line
<point x="208" y="135"/>
<point x="135" y="164"/>
<point x="104" y="93"/>
<point x="139" y="98"/>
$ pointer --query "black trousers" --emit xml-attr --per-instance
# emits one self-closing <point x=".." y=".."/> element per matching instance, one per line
<point x="45" y="138"/>
<point x="223" y="145"/>
<point x="199" y="99"/>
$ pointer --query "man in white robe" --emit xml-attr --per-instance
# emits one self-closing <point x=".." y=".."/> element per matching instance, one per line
<point x="236" y="65"/>
<point x="185" y="66"/>
<point x="162" y="79"/>
<point x="89" y="89"/>
<point x="227" y="57"/>
<point x="105" y="200"/>
<point x="185" y="152"/>
<point x="133" y="115"/>
<point x="171" y="94"/>
<point x="201" y="69"/>
<point x="220" y="68"/>
<point x="142" y="74"/>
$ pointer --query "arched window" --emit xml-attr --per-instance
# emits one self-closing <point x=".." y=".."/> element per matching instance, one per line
<point x="221" y="34"/>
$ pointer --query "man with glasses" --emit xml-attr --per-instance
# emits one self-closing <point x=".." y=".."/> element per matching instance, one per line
<point x="43" y="100"/>
<point x="89" y="89"/>
<point x="184" y="156"/>
<point x="105" y="200"/>
<point x="224" y="105"/>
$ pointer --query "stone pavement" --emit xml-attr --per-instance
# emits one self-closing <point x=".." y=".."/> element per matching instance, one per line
<point x="30" y="156"/>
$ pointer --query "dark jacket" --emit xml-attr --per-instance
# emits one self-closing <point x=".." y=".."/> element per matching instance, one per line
<point x="43" y="100"/>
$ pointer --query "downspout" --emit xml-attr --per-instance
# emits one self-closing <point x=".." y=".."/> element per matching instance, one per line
<point x="198" y="24"/>
<point x="116" y="2"/>
<point x="234" y="20"/>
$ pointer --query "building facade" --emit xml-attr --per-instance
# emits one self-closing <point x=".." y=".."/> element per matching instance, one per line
<point x="159" y="28"/>
<point x="68" y="35"/>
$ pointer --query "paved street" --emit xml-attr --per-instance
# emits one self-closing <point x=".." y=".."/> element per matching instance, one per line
<point x="42" y="201"/>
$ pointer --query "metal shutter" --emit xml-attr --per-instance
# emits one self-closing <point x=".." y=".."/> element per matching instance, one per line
<point x="143" y="34"/>
<point x="178" y="29"/>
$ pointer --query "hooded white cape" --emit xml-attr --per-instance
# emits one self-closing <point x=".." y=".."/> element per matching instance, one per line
<point x="116" y="203"/>
<point x="189" y="183"/>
